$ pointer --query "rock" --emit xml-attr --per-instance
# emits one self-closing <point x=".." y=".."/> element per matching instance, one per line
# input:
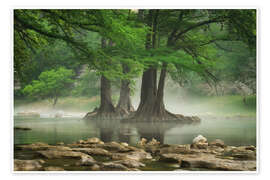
<point x="199" y="142"/>
<point x="124" y="144"/>
<point x="218" y="143"/>
<point x="136" y="155"/>
<point x="200" y="145"/>
<point x="60" y="143"/>
<point x="183" y="149"/>
<point x="174" y="165"/>
<point x="94" y="141"/>
<point x="86" y="161"/>
<point x="153" y="142"/>
<point x="130" y="163"/>
<point x="115" y="147"/>
<point x="111" y="166"/>
<point x="34" y="146"/>
<point x="53" y="168"/>
<point x="240" y="153"/>
<point x="53" y="154"/>
<point x="171" y="158"/>
<point x="93" y="151"/>
<point x="27" y="165"/>
<point x="95" y="167"/>
<point x="209" y="161"/>
<point x="142" y="142"/>
<point x="198" y="139"/>
<point x="80" y="141"/>
<point x="42" y="146"/>
<point x="252" y="148"/>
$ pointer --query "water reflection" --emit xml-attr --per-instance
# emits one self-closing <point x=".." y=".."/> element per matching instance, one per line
<point x="123" y="132"/>
<point x="234" y="132"/>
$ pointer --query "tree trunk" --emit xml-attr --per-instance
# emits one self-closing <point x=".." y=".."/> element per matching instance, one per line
<point x="55" y="101"/>
<point x="106" y="104"/>
<point x="106" y="109"/>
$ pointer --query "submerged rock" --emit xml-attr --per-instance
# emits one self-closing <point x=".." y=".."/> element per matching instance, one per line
<point x="28" y="165"/>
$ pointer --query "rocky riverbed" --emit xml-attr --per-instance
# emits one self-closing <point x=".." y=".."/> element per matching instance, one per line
<point x="94" y="155"/>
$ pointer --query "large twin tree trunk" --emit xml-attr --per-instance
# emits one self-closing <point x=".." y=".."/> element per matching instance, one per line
<point x="151" y="107"/>
<point x="107" y="109"/>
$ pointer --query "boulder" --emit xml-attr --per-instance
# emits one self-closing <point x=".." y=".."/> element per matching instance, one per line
<point x="28" y="165"/>
<point x="199" y="142"/>
<point x="199" y="139"/>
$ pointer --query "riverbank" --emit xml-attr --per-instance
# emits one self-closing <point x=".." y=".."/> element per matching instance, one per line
<point x="202" y="106"/>
<point x="94" y="155"/>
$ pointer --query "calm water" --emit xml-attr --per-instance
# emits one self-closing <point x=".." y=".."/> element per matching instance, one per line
<point x="52" y="130"/>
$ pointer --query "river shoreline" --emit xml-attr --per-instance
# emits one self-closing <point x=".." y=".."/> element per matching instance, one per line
<point x="93" y="154"/>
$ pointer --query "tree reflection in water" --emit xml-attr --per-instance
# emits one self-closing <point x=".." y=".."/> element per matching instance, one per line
<point x="115" y="130"/>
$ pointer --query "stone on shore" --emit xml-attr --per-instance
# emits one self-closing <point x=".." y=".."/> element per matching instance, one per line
<point x="28" y="165"/>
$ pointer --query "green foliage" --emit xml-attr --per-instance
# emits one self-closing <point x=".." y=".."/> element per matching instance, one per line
<point x="51" y="84"/>
<point x="51" y="56"/>
<point x="87" y="85"/>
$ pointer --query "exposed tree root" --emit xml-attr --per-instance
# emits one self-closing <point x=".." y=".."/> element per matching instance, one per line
<point x="117" y="113"/>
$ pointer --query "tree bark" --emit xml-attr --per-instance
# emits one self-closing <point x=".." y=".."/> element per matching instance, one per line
<point x="124" y="105"/>
<point x="106" y="104"/>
